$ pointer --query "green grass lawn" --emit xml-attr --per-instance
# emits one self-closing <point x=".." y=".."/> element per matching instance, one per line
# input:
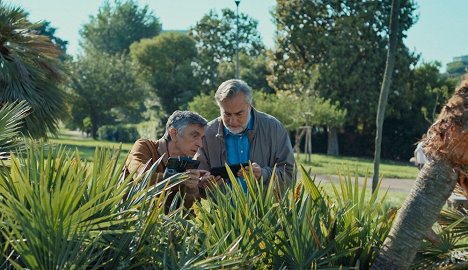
<point x="330" y="165"/>
<point x="320" y="164"/>
<point x="86" y="146"/>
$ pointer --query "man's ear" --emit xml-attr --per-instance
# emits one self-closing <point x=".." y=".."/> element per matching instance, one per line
<point x="172" y="133"/>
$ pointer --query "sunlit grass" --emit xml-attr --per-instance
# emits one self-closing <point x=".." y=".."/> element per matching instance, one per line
<point x="331" y="165"/>
<point x="320" y="164"/>
<point x="87" y="145"/>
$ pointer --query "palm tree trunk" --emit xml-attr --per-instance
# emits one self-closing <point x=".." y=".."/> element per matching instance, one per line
<point x="387" y="81"/>
<point x="446" y="146"/>
<point x="332" y="147"/>
<point x="419" y="212"/>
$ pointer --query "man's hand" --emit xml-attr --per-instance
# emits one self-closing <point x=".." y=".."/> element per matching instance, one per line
<point x="191" y="184"/>
<point x="208" y="180"/>
<point x="256" y="169"/>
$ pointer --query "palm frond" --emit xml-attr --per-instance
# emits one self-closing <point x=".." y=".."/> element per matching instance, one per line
<point x="30" y="70"/>
<point x="11" y="118"/>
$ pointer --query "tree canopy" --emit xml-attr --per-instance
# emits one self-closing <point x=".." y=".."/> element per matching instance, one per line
<point x="117" y="26"/>
<point x="101" y="84"/>
<point x="166" y="61"/>
<point x="342" y="45"/>
<point x="215" y="36"/>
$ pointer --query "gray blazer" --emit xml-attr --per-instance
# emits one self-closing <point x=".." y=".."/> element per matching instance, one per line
<point x="269" y="146"/>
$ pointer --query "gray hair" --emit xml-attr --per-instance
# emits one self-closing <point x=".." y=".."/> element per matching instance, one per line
<point x="181" y="119"/>
<point x="231" y="88"/>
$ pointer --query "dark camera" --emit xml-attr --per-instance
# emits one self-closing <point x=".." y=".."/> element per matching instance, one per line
<point x="179" y="165"/>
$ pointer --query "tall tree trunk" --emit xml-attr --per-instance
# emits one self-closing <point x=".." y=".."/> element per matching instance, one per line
<point x="332" y="147"/>
<point x="446" y="146"/>
<point x="419" y="212"/>
<point x="297" y="145"/>
<point x="387" y="81"/>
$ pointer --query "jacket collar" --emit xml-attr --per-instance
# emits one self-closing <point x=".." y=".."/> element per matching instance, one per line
<point x="162" y="150"/>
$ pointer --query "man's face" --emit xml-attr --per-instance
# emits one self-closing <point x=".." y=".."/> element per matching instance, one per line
<point x="190" y="140"/>
<point x="235" y="112"/>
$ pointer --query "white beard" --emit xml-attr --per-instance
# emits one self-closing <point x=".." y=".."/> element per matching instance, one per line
<point x="241" y="129"/>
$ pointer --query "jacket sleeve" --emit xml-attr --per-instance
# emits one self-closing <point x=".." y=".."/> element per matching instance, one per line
<point x="139" y="160"/>
<point x="284" y="159"/>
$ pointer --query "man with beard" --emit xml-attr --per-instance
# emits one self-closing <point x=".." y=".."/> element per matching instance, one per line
<point x="242" y="134"/>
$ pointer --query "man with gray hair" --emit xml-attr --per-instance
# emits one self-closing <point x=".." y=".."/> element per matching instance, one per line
<point x="242" y="134"/>
<point x="183" y="137"/>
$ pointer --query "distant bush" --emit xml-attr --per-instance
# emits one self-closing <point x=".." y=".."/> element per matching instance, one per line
<point x="131" y="132"/>
<point x="118" y="133"/>
<point x="150" y="129"/>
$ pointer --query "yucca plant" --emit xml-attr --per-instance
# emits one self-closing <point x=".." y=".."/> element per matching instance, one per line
<point x="302" y="227"/>
<point x="451" y="249"/>
<point x="59" y="212"/>
<point x="11" y="117"/>
<point x="367" y="218"/>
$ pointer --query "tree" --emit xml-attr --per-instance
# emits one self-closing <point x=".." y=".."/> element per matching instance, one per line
<point x="205" y="105"/>
<point x="254" y="71"/>
<point x="101" y="84"/>
<point x="307" y="111"/>
<point x="446" y="145"/>
<point x="341" y="45"/>
<point x="117" y="26"/>
<point x="166" y="61"/>
<point x="429" y="92"/>
<point x="387" y="81"/>
<point x="30" y="70"/>
<point x="46" y="29"/>
<point x="215" y="38"/>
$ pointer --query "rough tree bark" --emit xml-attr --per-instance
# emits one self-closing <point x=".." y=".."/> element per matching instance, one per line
<point x="332" y="147"/>
<point x="446" y="145"/>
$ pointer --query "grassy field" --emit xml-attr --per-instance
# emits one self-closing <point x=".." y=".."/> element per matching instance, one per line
<point x="329" y="165"/>
<point x="86" y="146"/>
<point x="320" y="164"/>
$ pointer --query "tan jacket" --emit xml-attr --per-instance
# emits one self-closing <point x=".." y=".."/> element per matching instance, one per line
<point x="269" y="145"/>
<point x="148" y="151"/>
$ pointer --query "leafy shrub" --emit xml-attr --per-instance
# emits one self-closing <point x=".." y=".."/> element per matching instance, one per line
<point x="150" y="129"/>
<point x="119" y="133"/>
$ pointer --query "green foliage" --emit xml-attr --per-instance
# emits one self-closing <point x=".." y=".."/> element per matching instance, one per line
<point x="430" y="91"/>
<point x="205" y="105"/>
<point x="337" y="48"/>
<point x="150" y="129"/>
<point x="166" y="61"/>
<point x="301" y="228"/>
<point x="100" y="85"/>
<point x="58" y="212"/>
<point x="118" y="133"/>
<point x="457" y="67"/>
<point x="452" y="248"/>
<point x="216" y="37"/>
<point x="48" y="30"/>
<point x="117" y="26"/>
<point x="11" y="117"/>
<point x="295" y="111"/>
<point x="253" y="70"/>
<point x="30" y="70"/>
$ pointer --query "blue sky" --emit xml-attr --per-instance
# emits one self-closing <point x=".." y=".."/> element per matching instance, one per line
<point x="440" y="34"/>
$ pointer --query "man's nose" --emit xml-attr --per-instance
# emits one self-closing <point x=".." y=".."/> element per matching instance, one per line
<point x="199" y="143"/>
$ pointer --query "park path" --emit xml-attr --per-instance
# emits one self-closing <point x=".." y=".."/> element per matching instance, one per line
<point x="396" y="185"/>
